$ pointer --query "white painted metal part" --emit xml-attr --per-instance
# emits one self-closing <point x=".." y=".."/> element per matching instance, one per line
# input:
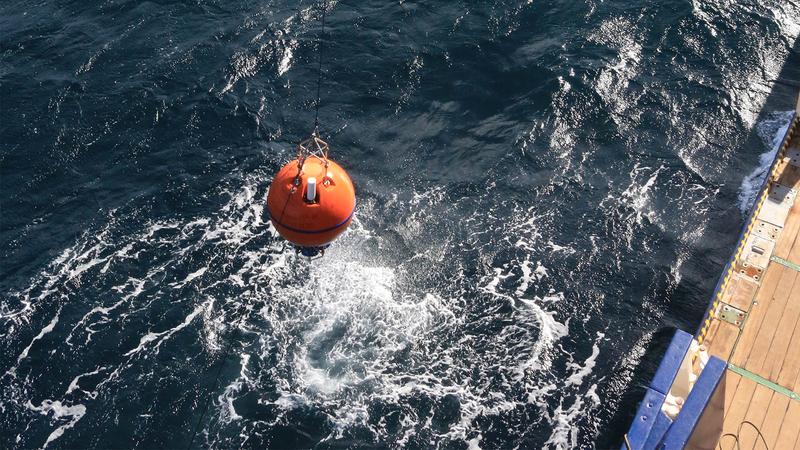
<point x="311" y="189"/>
<point x="776" y="207"/>
<point x="684" y="380"/>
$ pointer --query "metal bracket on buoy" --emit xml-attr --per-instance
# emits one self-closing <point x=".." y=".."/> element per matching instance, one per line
<point x="312" y="147"/>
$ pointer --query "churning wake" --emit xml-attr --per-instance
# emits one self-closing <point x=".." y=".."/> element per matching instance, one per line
<point x="424" y="347"/>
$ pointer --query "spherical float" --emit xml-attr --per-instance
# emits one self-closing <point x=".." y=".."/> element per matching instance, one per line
<point x="311" y="200"/>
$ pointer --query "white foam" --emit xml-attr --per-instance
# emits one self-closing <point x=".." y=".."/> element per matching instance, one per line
<point x="74" y="384"/>
<point x="74" y="413"/>
<point x="565" y="433"/>
<point x="637" y="194"/>
<point x="229" y="394"/>
<point x="286" y="57"/>
<point x="550" y="331"/>
<point x="166" y="334"/>
<point x="530" y="275"/>
<point x="196" y="274"/>
<point x="349" y="330"/>
<point x="582" y="371"/>
<point x="47" y="329"/>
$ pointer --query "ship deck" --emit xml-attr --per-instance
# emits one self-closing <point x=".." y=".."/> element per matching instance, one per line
<point x="754" y="323"/>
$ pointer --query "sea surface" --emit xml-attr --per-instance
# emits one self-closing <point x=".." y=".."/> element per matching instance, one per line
<point x="546" y="189"/>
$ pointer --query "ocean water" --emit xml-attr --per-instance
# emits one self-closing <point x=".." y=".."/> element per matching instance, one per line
<point x="546" y="190"/>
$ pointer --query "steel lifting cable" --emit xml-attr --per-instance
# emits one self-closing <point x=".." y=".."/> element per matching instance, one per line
<point x="316" y="134"/>
<point x="301" y="157"/>
<point x="319" y="66"/>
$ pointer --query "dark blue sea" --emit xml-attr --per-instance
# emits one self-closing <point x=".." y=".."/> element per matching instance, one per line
<point x="546" y="190"/>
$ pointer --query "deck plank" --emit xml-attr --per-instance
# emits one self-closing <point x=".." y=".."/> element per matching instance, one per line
<point x="731" y="380"/>
<point x="711" y="337"/>
<point x="772" y="421"/>
<point x="792" y="233"/>
<point x="790" y="176"/>
<point x="790" y="428"/>
<point x="773" y="280"/>
<point x="749" y="430"/>
<point x="737" y="409"/>
<point x="780" y="350"/>
<point x="789" y="374"/>
<point x="794" y="254"/>
<point x="789" y="234"/>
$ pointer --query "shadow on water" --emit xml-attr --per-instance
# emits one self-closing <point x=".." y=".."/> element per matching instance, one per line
<point x="705" y="262"/>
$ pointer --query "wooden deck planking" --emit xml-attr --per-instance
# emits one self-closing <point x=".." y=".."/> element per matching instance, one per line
<point x="790" y="176"/>
<point x="712" y="339"/>
<point x="737" y="409"/>
<point x="773" y="279"/>
<point x="750" y="427"/>
<point x="789" y="234"/>
<point x="757" y="417"/>
<point x="720" y="341"/>
<point x="789" y="374"/>
<point x="794" y="253"/>
<point x="731" y="384"/>
<point x="790" y="428"/>
<point x="770" y="330"/>
<point x="773" y="421"/>
<point x="780" y="350"/>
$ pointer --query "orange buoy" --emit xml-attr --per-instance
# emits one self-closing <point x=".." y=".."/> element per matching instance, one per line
<point x="311" y="200"/>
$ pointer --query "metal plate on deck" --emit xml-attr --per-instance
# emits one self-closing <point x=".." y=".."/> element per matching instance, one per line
<point x="731" y="315"/>
<point x="740" y="292"/>
<point x="777" y="204"/>
<point x="757" y="251"/>
<point x="766" y="230"/>
<point x="751" y="272"/>
<point x="793" y="155"/>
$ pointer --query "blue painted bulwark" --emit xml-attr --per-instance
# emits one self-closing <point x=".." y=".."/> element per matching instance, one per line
<point x="659" y="429"/>
<point x="650" y="423"/>
<point x="671" y="362"/>
<point x="645" y="419"/>
<point x="680" y="431"/>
